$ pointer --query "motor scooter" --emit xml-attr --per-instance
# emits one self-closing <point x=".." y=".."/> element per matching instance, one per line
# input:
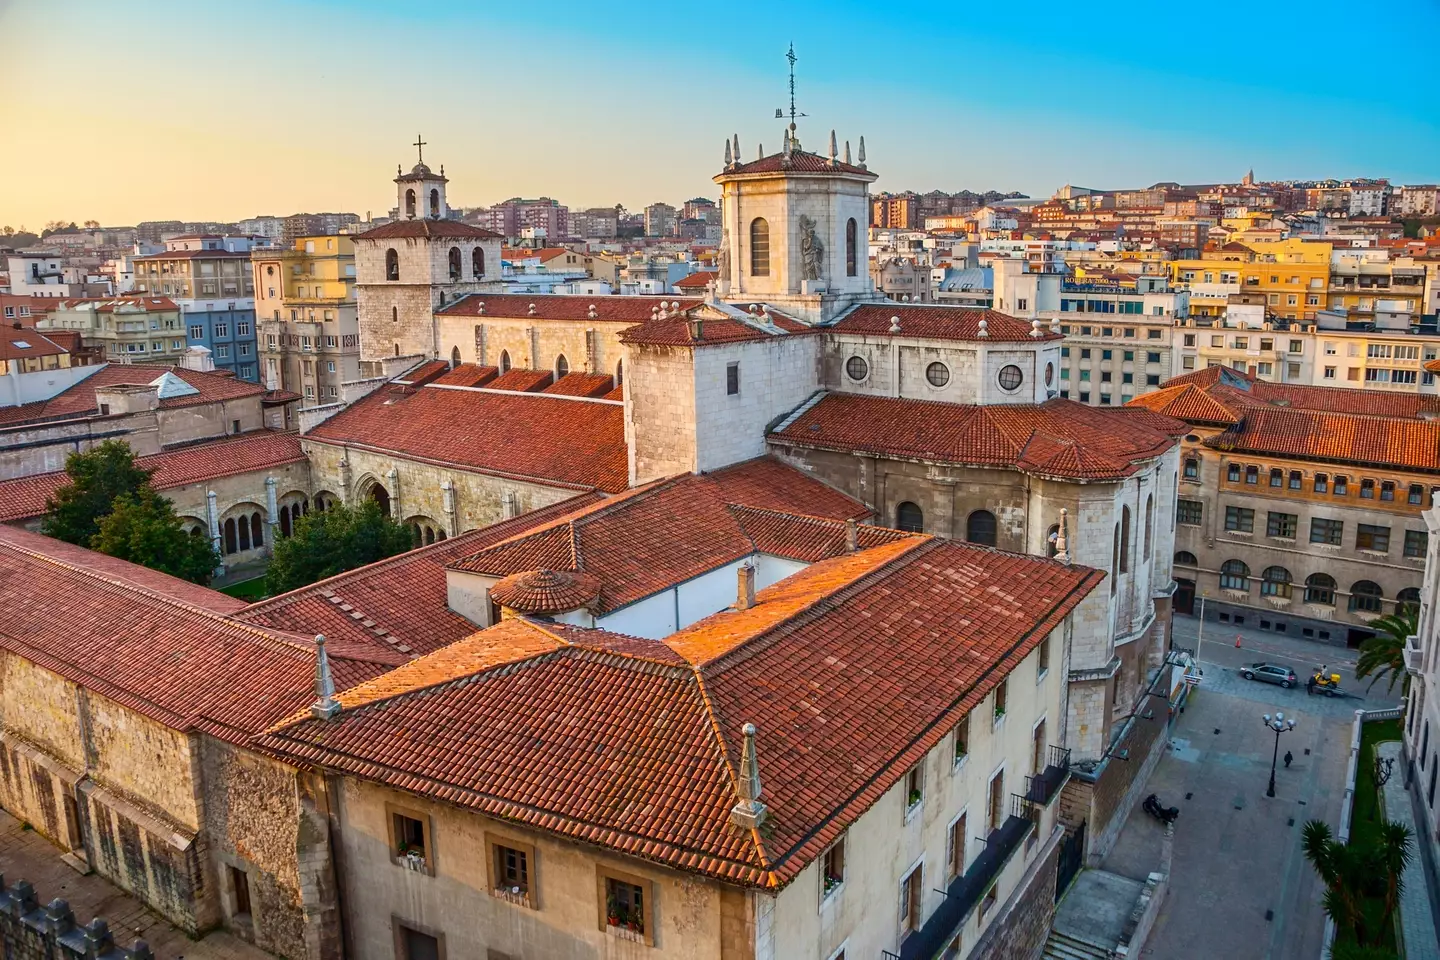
<point x="1160" y="812"/>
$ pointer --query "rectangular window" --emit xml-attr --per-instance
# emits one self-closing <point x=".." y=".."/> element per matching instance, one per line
<point x="242" y="329"/>
<point x="1152" y="357"/>
<point x="1189" y="512"/>
<point x="1326" y="531"/>
<point x="833" y="868"/>
<point x="1281" y="525"/>
<point x="1297" y="346"/>
<point x="197" y="333"/>
<point x="1232" y="472"/>
<point x="914" y="787"/>
<point x="910" y="894"/>
<point x="1240" y="519"/>
<point x="1416" y="543"/>
<point x="222" y="329"/>
<point x="732" y="379"/>
<point x="1342" y="485"/>
<point x="1370" y="537"/>
<point x="1042" y="658"/>
<point x="959" y="836"/>
<point x="411" y="843"/>
<point x="1416" y="494"/>
<point x="510" y="871"/>
<point x="412" y="944"/>
<point x="240" y="883"/>
<point x="996" y="813"/>
<point x="1367" y="489"/>
<point x="628" y="912"/>
<point x="1387" y="489"/>
<point x="1002" y="698"/>
<point x="962" y="739"/>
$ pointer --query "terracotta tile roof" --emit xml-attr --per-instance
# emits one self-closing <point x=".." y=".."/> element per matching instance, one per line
<point x="552" y="441"/>
<point x="426" y="372"/>
<point x="1058" y="438"/>
<point x="34" y="344"/>
<point x="399" y="603"/>
<point x="616" y="394"/>
<point x="768" y="484"/>
<point x="152" y="643"/>
<point x="467" y="375"/>
<point x="523" y="381"/>
<point x="594" y="385"/>
<point x="1188" y="402"/>
<point x="938" y="323"/>
<point x="79" y="400"/>
<point x="1222" y="396"/>
<point x="698" y="280"/>
<point x="547" y="591"/>
<point x="1336" y="438"/>
<point x="800" y="162"/>
<point x="674" y="329"/>
<point x="651" y="537"/>
<point x="427" y="230"/>
<point x="645" y="757"/>
<point x="24" y="497"/>
<point x="554" y="306"/>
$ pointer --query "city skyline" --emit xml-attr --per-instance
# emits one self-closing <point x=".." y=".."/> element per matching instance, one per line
<point x="274" y="122"/>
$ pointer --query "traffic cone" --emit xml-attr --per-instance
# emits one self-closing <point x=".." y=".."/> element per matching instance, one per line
<point x="1237" y="641"/>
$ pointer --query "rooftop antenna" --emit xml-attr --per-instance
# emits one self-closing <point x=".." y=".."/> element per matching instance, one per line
<point x="779" y="111"/>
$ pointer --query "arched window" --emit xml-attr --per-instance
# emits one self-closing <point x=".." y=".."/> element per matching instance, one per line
<point x="392" y="264"/>
<point x="1320" y="588"/>
<point x="381" y="496"/>
<point x="1407" y="601"/>
<point x="1234" y="575"/>
<point x="1275" y="582"/>
<point x="454" y="263"/>
<point x="242" y="525"/>
<point x="410" y="202"/>
<point x="1184" y="558"/>
<point x="285" y="528"/>
<point x="909" y="517"/>
<point x="852" y="263"/>
<point x="440" y="534"/>
<point x="477" y="262"/>
<point x="257" y="531"/>
<point x="1365" y="597"/>
<point x="232" y="543"/>
<point x="454" y="357"/>
<point x="394" y="314"/>
<point x="1124" y="539"/>
<point x="1149" y="521"/>
<point x="980" y="528"/>
<point x="1114" y="557"/>
<point x="504" y="361"/>
<point x="434" y="203"/>
<point x="562" y="366"/>
<point x="759" y="248"/>
<point x="429" y="535"/>
<point x="619" y="372"/>
<point x="1052" y="538"/>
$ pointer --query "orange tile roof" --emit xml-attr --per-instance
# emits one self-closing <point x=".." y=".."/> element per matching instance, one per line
<point x="675" y="329"/>
<point x="698" y="280"/>
<point x="594" y="385"/>
<point x="799" y="161"/>
<point x="1058" y="438"/>
<point x="554" y="306"/>
<point x="853" y="669"/>
<point x="552" y="441"/>
<point x="25" y="497"/>
<point x="154" y="644"/>
<point x="522" y="380"/>
<point x="467" y="375"/>
<point x="939" y="323"/>
<point x="35" y="344"/>
<point x="399" y="603"/>
<point x="1336" y="438"/>
<point x="79" y="400"/>
<point x="426" y="230"/>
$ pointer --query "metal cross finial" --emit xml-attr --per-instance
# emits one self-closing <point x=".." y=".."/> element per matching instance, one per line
<point x="779" y="112"/>
<point x="419" y="146"/>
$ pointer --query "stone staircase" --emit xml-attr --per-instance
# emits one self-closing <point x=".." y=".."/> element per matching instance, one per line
<point x="1063" y="947"/>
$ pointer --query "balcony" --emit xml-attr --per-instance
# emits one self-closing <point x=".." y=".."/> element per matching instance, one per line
<point x="1413" y="655"/>
<point x="1045" y="786"/>
<point x="965" y="891"/>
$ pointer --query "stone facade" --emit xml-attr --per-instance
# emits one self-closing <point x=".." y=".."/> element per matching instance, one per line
<point x="30" y="931"/>
<point x="532" y="343"/>
<point x="397" y="317"/>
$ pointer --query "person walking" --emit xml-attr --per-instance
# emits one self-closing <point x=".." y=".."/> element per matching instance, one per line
<point x="1288" y="757"/>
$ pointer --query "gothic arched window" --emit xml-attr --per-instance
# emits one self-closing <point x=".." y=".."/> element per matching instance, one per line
<point x="1125" y="539"/>
<point x="454" y="357"/>
<point x="477" y="263"/>
<point x="1320" y="588"/>
<point x="410" y="202"/>
<point x="230" y="544"/>
<point x="759" y="248"/>
<point x="435" y="203"/>
<point x="619" y="372"/>
<point x="852" y="231"/>
<point x="1365" y="597"/>
<point x="504" y="361"/>
<point x="908" y="516"/>
<point x="257" y="531"/>
<point x="392" y="264"/>
<point x="980" y="528"/>
<point x="454" y="263"/>
<point x="562" y="366"/>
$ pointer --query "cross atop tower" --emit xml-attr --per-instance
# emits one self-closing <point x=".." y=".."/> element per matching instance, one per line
<point x="419" y="145"/>
<point x="779" y="111"/>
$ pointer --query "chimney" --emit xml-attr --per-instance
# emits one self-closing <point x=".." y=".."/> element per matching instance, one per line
<point x="697" y="328"/>
<point x="745" y="594"/>
<point x="852" y="535"/>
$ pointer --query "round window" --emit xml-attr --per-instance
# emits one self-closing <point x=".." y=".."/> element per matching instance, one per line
<point x="1049" y="373"/>
<point x="856" y="368"/>
<point x="1011" y="377"/>
<point x="938" y="374"/>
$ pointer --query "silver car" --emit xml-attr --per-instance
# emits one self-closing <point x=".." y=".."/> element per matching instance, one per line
<point x="1270" y="673"/>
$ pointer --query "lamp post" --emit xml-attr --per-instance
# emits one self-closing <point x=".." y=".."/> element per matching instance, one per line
<point x="1280" y="725"/>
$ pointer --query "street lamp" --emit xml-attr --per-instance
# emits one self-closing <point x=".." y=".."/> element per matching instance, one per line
<point x="1280" y="725"/>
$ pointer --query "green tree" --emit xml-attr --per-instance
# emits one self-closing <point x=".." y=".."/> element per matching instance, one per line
<point x="1357" y="876"/>
<point x="333" y="541"/>
<point x="1384" y="654"/>
<point x="143" y="528"/>
<point x="1393" y="854"/>
<point x="98" y="477"/>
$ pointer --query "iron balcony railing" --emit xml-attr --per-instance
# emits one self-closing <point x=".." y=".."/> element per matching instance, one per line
<point x="967" y="890"/>
<point x="1045" y="785"/>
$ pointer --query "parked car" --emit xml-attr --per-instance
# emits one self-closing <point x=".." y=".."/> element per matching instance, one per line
<point x="1270" y="673"/>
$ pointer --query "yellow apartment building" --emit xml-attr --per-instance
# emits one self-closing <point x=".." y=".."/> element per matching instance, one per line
<point x="1292" y="275"/>
<point x="305" y="308"/>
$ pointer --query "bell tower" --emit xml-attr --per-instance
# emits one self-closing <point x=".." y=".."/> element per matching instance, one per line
<point x="420" y="194"/>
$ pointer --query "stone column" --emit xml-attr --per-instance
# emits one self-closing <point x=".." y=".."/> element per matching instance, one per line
<point x="394" y="484"/>
<point x="345" y="491"/>
<point x="272" y="510"/>
<point x="212" y="514"/>
<point x="508" y="508"/>
<point x="447" y="497"/>
<point x="482" y="342"/>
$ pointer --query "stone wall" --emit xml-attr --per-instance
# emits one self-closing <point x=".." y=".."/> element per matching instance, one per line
<point x="1103" y="796"/>
<point x="660" y="389"/>
<point x="589" y="346"/>
<point x="1020" y="931"/>
<point x="29" y="931"/>
<point x="398" y="317"/>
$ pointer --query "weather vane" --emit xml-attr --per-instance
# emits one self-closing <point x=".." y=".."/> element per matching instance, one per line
<point x="780" y="111"/>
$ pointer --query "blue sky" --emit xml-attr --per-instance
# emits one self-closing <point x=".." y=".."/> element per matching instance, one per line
<point x="164" y="109"/>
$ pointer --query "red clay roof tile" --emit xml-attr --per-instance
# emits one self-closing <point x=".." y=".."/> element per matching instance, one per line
<point x="939" y="323"/>
<point x="79" y="400"/>
<point x="554" y="306"/>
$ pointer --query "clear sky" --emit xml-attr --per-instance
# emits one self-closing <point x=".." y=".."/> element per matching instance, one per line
<point x="129" y="110"/>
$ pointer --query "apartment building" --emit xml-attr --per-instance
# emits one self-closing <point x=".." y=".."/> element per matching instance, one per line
<point x="1367" y="286"/>
<point x="208" y="276"/>
<point x="123" y="329"/>
<point x="1291" y="275"/>
<point x="305" y="305"/>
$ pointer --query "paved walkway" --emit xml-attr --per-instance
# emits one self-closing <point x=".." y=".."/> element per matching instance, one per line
<point x="25" y="855"/>
<point x="1416" y="924"/>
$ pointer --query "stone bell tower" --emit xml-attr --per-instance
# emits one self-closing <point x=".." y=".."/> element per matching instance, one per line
<point x="420" y="194"/>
